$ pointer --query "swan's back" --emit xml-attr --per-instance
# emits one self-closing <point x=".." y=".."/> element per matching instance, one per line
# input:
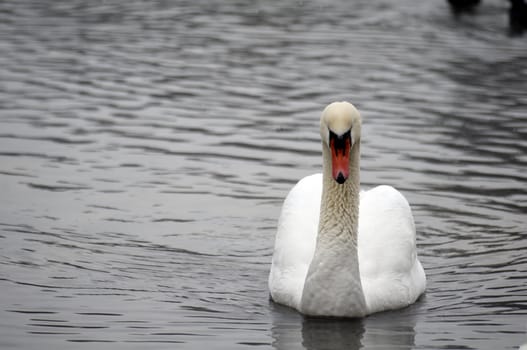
<point x="295" y="241"/>
<point x="392" y="277"/>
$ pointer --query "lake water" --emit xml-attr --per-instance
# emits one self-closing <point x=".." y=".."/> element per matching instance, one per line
<point x="146" y="148"/>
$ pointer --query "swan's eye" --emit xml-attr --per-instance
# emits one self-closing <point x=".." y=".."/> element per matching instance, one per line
<point x="340" y="143"/>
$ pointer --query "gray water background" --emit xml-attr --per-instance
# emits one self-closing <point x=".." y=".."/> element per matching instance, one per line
<point x="146" y="148"/>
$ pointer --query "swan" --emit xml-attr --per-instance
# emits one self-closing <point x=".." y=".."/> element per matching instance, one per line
<point x="334" y="257"/>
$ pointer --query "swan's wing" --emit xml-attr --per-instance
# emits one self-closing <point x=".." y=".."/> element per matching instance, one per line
<point x="295" y="241"/>
<point x="391" y="274"/>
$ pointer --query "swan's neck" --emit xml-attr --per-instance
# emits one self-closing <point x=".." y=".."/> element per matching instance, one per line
<point x="333" y="285"/>
<point x="339" y="209"/>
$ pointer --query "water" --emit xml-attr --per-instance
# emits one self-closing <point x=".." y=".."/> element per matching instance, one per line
<point x="146" y="147"/>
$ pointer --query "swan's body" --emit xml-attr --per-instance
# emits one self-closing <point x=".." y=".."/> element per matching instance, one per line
<point x="339" y="251"/>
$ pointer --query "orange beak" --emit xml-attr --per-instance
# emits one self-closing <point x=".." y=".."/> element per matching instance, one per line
<point x="340" y="156"/>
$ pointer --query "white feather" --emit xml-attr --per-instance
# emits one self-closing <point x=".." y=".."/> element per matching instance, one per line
<point x="392" y="277"/>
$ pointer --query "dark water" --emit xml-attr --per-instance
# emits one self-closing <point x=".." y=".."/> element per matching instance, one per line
<point x="146" y="147"/>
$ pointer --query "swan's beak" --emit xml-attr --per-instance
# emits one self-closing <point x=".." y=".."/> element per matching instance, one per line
<point x="340" y="155"/>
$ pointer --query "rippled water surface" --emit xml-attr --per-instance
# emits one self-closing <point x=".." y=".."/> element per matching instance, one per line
<point x="146" y="147"/>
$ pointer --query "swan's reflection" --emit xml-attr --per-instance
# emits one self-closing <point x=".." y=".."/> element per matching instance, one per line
<point x="322" y="333"/>
<point x="387" y="330"/>
<point x="390" y="330"/>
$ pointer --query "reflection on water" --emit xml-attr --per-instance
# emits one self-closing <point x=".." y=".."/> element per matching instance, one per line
<point x="146" y="147"/>
<point x="393" y="330"/>
<point x="332" y="334"/>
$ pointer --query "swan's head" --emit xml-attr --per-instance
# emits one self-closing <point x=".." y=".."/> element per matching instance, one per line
<point x="340" y="126"/>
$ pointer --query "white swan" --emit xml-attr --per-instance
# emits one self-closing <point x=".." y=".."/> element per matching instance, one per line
<point x="333" y="257"/>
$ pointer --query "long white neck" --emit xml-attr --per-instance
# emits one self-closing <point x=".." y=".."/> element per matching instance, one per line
<point x="333" y="285"/>
<point x="339" y="209"/>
